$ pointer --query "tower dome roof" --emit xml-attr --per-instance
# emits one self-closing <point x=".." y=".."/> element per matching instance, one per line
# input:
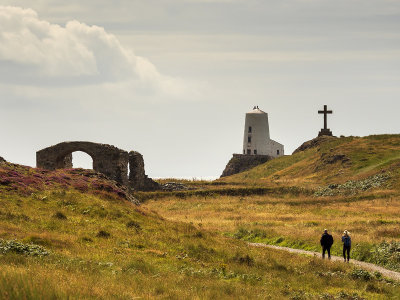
<point x="256" y="110"/>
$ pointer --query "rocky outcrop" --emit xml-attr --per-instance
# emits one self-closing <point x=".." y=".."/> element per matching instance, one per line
<point x="138" y="179"/>
<point x="331" y="159"/>
<point x="314" y="143"/>
<point x="174" y="186"/>
<point x="242" y="162"/>
<point x="2" y="160"/>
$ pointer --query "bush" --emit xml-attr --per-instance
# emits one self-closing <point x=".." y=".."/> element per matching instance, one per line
<point x="103" y="234"/>
<point x="13" y="246"/>
<point x="134" y="224"/>
<point x="59" y="215"/>
<point x="246" y="259"/>
<point x="361" y="274"/>
<point x="387" y="254"/>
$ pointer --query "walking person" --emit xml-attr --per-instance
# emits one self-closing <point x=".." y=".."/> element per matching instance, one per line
<point x="326" y="243"/>
<point x="346" y="240"/>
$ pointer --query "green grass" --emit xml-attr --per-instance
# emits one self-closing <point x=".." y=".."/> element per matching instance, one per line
<point x="363" y="157"/>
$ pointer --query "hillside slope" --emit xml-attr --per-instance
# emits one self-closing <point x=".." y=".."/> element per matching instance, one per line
<point x="329" y="160"/>
<point x="62" y="236"/>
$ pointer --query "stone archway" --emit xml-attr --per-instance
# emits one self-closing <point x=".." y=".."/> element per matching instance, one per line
<point x="107" y="159"/>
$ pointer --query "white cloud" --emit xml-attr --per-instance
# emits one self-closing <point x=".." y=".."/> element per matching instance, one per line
<point x="34" y="51"/>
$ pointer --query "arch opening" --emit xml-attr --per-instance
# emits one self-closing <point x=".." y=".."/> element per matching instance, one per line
<point x="82" y="160"/>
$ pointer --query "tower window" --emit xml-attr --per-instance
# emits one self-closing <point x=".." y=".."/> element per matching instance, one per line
<point x="249" y="139"/>
<point x="255" y="151"/>
<point x="248" y="151"/>
<point x="250" y="129"/>
<point x="244" y="151"/>
<point x="277" y="152"/>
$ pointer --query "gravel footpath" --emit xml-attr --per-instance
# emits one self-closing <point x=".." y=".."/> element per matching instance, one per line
<point x="368" y="266"/>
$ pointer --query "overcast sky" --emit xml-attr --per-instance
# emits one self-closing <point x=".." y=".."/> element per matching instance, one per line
<point x="173" y="79"/>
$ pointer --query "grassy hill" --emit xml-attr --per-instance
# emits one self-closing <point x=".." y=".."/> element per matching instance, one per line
<point x="336" y="183"/>
<point x="74" y="234"/>
<point x="329" y="160"/>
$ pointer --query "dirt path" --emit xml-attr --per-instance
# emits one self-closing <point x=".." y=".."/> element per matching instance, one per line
<point x="368" y="266"/>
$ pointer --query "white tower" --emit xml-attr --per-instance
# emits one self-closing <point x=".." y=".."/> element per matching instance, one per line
<point x="256" y="140"/>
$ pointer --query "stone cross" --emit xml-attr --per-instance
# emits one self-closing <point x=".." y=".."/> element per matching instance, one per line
<point x="325" y="112"/>
<point x="325" y="130"/>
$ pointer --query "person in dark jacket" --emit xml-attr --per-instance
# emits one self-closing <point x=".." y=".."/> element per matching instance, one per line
<point x="326" y="243"/>
<point x="346" y="240"/>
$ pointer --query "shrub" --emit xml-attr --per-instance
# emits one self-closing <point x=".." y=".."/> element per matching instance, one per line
<point x="13" y="246"/>
<point x="361" y="274"/>
<point x="87" y="239"/>
<point x="246" y="259"/>
<point x="59" y="215"/>
<point x="134" y="224"/>
<point x="387" y="254"/>
<point x="199" y="234"/>
<point x="103" y="234"/>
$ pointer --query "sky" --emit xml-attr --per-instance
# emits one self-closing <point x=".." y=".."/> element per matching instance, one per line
<point x="173" y="79"/>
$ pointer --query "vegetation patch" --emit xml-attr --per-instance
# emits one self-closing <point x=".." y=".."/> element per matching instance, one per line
<point x="352" y="187"/>
<point x="13" y="246"/>
<point x="387" y="254"/>
<point x="59" y="215"/>
<point x="361" y="274"/>
<point x="103" y="234"/>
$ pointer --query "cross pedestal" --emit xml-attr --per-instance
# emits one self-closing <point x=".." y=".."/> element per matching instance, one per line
<point x="325" y="130"/>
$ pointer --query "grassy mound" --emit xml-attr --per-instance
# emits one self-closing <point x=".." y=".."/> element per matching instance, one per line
<point x="329" y="160"/>
<point x="25" y="181"/>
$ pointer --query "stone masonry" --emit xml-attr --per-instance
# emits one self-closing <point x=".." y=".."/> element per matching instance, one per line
<point x="108" y="160"/>
<point x="138" y="180"/>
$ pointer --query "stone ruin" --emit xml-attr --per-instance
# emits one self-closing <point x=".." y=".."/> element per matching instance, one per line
<point x="108" y="160"/>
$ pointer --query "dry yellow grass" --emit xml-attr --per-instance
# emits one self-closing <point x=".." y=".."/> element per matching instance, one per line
<point x="296" y="221"/>
<point x="153" y="257"/>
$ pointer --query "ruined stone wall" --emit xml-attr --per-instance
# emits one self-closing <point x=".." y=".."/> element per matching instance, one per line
<point x="138" y="179"/>
<point x="241" y="162"/>
<point x="107" y="159"/>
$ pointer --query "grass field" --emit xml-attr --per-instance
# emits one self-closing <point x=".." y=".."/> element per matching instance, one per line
<point x="108" y="248"/>
<point x="293" y="221"/>
<point x="341" y="183"/>
<point x="64" y="243"/>
<point x="73" y="234"/>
